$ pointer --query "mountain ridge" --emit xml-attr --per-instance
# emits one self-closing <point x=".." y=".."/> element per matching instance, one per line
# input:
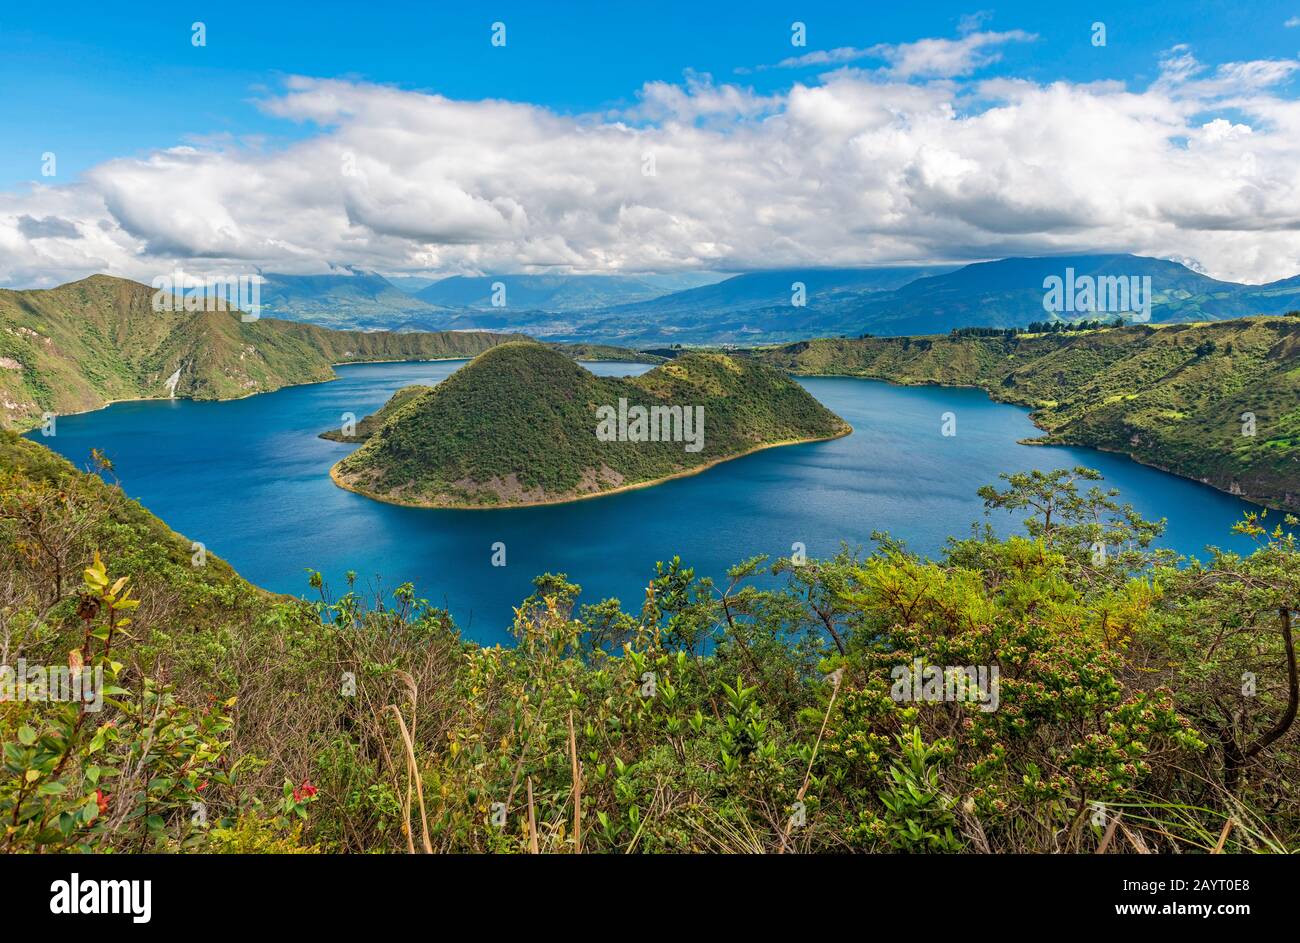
<point x="999" y="293"/>
<point x="1172" y="396"/>
<point x="83" y="345"/>
<point x="550" y="293"/>
<point x="762" y="307"/>
<point x="359" y="299"/>
<point x="758" y="308"/>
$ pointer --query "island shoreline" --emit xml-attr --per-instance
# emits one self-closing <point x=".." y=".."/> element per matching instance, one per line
<point x="235" y="399"/>
<point x="334" y="477"/>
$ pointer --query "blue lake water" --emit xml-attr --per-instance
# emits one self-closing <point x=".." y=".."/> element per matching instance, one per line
<point x="249" y="479"/>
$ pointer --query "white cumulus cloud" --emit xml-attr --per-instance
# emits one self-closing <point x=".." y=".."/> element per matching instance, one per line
<point x="854" y="167"/>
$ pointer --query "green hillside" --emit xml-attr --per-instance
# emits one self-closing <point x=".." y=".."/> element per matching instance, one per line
<point x="81" y="345"/>
<point x="606" y="352"/>
<point x="518" y="426"/>
<point x="371" y="424"/>
<point x="1170" y="396"/>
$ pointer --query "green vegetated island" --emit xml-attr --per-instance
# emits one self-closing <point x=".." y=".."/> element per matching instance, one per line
<point x="523" y="424"/>
<point x="1218" y="402"/>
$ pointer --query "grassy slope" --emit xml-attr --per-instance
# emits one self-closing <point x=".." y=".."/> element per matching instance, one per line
<point x="1162" y="395"/>
<point x="81" y="345"/>
<point x="605" y="352"/>
<point x="518" y="426"/>
<point x="142" y="546"/>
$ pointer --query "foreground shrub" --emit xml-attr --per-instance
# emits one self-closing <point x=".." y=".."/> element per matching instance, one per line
<point x="1023" y="693"/>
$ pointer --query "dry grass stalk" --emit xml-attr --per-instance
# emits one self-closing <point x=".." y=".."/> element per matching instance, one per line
<point x="577" y="790"/>
<point x="1110" y="833"/>
<point x="1135" y="839"/>
<point x="532" y="820"/>
<point x="413" y="769"/>
<point x="836" y="677"/>
<point x="1223" y="835"/>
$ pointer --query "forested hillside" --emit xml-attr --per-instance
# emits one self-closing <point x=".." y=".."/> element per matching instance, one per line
<point x="82" y="345"/>
<point x="1218" y="402"/>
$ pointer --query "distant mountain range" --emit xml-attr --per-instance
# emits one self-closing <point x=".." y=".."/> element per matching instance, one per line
<point x="1010" y="293"/>
<point x="775" y="306"/>
<point x="361" y="300"/>
<point x="369" y="301"/>
<point x="705" y="307"/>
<point x="554" y="293"/>
<point x="776" y="288"/>
<point x="755" y="307"/>
<point x="758" y="308"/>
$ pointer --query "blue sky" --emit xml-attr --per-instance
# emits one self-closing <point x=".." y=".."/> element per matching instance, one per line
<point x="621" y="137"/>
<point x="91" y="81"/>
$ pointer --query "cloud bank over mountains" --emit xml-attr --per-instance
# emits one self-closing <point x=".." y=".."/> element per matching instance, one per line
<point x="915" y="160"/>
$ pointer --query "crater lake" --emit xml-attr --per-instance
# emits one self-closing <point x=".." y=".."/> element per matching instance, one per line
<point x="249" y="479"/>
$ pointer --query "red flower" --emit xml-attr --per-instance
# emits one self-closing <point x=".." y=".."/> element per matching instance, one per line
<point x="101" y="800"/>
<point x="304" y="791"/>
